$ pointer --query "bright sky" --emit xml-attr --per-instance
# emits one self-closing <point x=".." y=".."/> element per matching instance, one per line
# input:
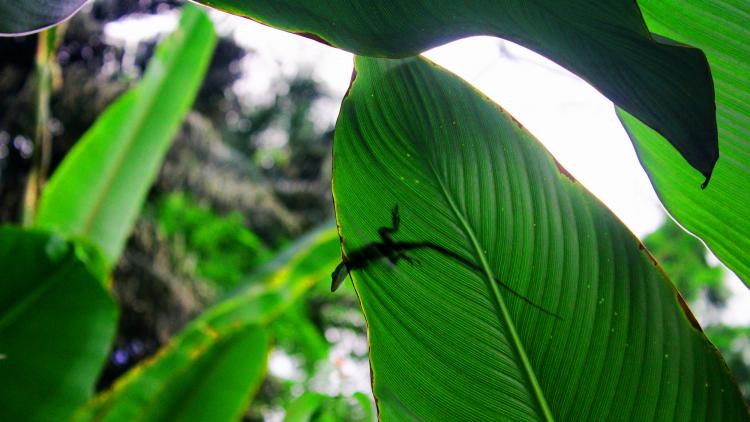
<point x="576" y="123"/>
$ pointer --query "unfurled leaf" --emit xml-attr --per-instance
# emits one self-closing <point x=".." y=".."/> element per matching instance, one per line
<point x="720" y="214"/>
<point x="57" y="323"/>
<point x="99" y="189"/>
<point x="494" y="285"/>
<point x="213" y="367"/>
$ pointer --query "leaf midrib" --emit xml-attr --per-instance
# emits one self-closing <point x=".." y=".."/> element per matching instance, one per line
<point x="109" y="176"/>
<point x="500" y="304"/>
<point x="148" y="99"/>
<point x="52" y="279"/>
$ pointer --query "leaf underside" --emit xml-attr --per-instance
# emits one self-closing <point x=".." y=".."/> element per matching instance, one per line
<point x="449" y="343"/>
<point x="99" y="188"/>
<point x="720" y="215"/>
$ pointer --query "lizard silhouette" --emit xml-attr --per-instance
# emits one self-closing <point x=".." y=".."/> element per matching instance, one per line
<point x="394" y="251"/>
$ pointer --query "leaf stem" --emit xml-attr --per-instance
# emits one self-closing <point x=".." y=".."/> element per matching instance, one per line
<point x="45" y="68"/>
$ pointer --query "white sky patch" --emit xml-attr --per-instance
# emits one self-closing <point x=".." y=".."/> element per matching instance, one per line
<point x="284" y="366"/>
<point x="737" y="312"/>
<point x="135" y="28"/>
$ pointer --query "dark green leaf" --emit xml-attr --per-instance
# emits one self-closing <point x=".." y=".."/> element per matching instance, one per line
<point x="212" y="368"/>
<point x="720" y="215"/>
<point x="20" y="17"/>
<point x="57" y="322"/>
<point x="485" y="209"/>
<point x="666" y="86"/>
<point x="99" y="189"/>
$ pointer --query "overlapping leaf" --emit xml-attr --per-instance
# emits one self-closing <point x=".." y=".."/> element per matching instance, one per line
<point x="57" y="321"/>
<point x="720" y="215"/>
<point x="99" y="189"/>
<point x="484" y="209"/>
<point x="20" y="17"/>
<point x="666" y="86"/>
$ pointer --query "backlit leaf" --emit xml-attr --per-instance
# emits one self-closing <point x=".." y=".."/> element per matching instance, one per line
<point x="720" y="215"/>
<point x="485" y="212"/>
<point x="21" y="17"/>
<point x="667" y="86"/>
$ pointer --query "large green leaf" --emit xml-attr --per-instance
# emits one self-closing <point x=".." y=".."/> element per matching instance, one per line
<point x="57" y="322"/>
<point x="719" y="215"/>
<point x="20" y="17"/>
<point x="483" y="206"/>
<point x="211" y="369"/>
<point x="99" y="189"/>
<point x="606" y="42"/>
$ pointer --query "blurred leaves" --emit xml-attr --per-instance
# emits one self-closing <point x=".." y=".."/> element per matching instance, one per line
<point x="222" y="248"/>
<point x="99" y="189"/>
<point x="298" y="335"/>
<point x="228" y="345"/>
<point x="213" y="366"/>
<point x="665" y="85"/>
<point x="57" y="321"/>
<point x="719" y="214"/>
<point x="683" y="258"/>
